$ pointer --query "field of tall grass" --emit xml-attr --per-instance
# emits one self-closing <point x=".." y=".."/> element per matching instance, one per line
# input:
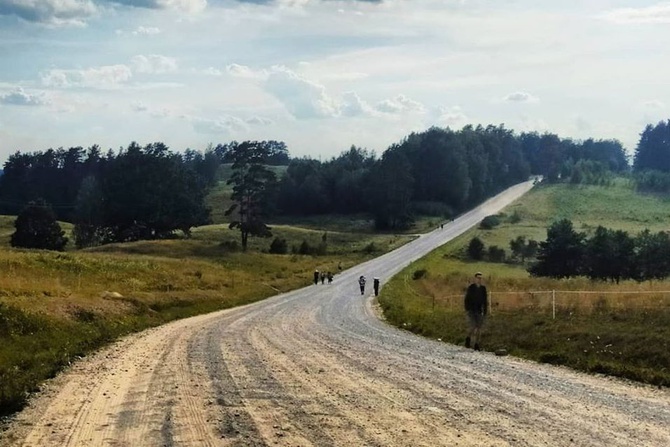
<point x="56" y="307"/>
<point x="617" y="329"/>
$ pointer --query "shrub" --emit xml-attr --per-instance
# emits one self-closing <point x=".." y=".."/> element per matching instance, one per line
<point x="496" y="254"/>
<point x="515" y="217"/>
<point x="305" y="248"/>
<point x="476" y="249"/>
<point x="370" y="248"/>
<point x="36" y="227"/>
<point x="279" y="246"/>
<point x="490" y="222"/>
<point x="418" y="274"/>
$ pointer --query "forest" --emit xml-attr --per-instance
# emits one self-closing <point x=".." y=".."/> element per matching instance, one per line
<point x="154" y="192"/>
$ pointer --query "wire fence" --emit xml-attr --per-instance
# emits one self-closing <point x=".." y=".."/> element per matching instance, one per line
<point x="556" y="303"/>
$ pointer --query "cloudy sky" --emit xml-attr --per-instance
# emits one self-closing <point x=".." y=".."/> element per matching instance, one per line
<point x="322" y="75"/>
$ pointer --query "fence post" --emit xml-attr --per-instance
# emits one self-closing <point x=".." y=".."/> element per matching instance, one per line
<point x="553" y="304"/>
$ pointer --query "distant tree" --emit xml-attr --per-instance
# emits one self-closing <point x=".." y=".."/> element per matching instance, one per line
<point x="279" y="246"/>
<point x="561" y="254"/>
<point x="530" y="250"/>
<point x="517" y="246"/>
<point x="392" y="192"/>
<point x="36" y="227"/>
<point x="476" y="249"/>
<point x="598" y="255"/>
<point x="653" y="149"/>
<point x="254" y="189"/>
<point x="496" y="254"/>
<point x="89" y="228"/>
<point x="652" y="255"/>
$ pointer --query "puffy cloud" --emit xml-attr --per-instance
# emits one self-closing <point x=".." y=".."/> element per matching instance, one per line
<point x="242" y="71"/>
<point x="146" y="31"/>
<point x="107" y="76"/>
<point x="302" y="97"/>
<point x="259" y="121"/>
<point x="222" y="124"/>
<point x="19" y="97"/>
<point x="189" y="6"/>
<point x="659" y="13"/>
<point x="453" y="117"/>
<point x="52" y="12"/>
<point x="154" y="63"/>
<point x="400" y="104"/>
<point x="353" y="105"/>
<point x="520" y="97"/>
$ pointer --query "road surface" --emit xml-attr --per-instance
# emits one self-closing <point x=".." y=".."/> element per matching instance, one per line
<point x="317" y="367"/>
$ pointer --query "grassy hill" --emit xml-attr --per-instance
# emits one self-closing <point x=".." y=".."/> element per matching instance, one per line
<point x="619" y="329"/>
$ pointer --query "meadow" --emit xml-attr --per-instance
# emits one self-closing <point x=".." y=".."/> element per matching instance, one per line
<point x="57" y="307"/>
<point x="600" y="327"/>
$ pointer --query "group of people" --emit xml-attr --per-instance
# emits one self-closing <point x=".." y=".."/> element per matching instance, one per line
<point x="375" y="284"/>
<point x="322" y="276"/>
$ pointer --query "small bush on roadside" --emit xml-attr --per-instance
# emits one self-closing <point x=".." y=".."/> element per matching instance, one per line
<point x="370" y="248"/>
<point x="279" y="246"/>
<point x="496" y="254"/>
<point x="418" y="274"/>
<point x="490" y="222"/>
<point x="476" y="249"/>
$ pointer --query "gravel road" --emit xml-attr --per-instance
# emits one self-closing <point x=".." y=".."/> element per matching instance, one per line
<point x="317" y="367"/>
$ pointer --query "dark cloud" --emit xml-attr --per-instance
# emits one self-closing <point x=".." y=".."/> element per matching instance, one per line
<point x="49" y="11"/>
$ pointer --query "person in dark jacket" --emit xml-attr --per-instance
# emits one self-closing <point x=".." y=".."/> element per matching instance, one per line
<point x="361" y="283"/>
<point x="316" y="277"/>
<point x="476" y="306"/>
<point x="375" y="284"/>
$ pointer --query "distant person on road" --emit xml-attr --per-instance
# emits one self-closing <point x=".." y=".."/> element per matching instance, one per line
<point x="316" y="277"/>
<point x="323" y="277"/>
<point x="330" y="277"/>
<point x="375" y="284"/>
<point x="476" y="306"/>
<point x="361" y="282"/>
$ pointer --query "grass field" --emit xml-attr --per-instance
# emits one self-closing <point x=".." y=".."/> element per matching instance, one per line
<point x="623" y="330"/>
<point x="55" y="307"/>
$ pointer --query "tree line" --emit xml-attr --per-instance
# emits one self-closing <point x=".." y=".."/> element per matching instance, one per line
<point x="608" y="255"/>
<point x="149" y="192"/>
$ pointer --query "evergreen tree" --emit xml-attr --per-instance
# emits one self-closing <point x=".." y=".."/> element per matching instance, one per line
<point x="561" y="254"/>
<point x="36" y="227"/>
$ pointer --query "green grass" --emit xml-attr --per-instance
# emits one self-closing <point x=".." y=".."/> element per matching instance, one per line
<point x="626" y="335"/>
<point x="55" y="307"/>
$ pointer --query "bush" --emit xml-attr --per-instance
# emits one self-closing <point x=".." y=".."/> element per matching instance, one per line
<point x="370" y="248"/>
<point x="279" y="246"/>
<point x="515" y="217"/>
<point x="36" y="227"/>
<point x="496" y="254"/>
<point x="418" y="274"/>
<point x="230" y="245"/>
<point x="305" y="248"/>
<point x="476" y="249"/>
<point x="490" y="222"/>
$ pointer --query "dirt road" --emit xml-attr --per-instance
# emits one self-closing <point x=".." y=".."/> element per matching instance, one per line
<point x="316" y="367"/>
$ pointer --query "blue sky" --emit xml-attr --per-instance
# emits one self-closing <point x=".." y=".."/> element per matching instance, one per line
<point x="322" y="75"/>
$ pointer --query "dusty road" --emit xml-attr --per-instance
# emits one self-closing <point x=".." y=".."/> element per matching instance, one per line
<point x="317" y="368"/>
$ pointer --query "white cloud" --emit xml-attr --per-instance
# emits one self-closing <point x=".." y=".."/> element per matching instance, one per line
<point x="154" y="64"/>
<point x="51" y="12"/>
<point x="211" y="71"/>
<point x="353" y="105"/>
<point x="146" y="31"/>
<point x="139" y="107"/>
<point x="242" y="71"/>
<point x="659" y="13"/>
<point x="452" y="117"/>
<point x="106" y="76"/>
<point x="19" y="97"/>
<point x="188" y="6"/>
<point x="259" y="121"/>
<point x="400" y="104"/>
<point x="520" y="97"/>
<point x="654" y="104"/>
<point x="223" y="124"/>
<point x="302" y="97"/>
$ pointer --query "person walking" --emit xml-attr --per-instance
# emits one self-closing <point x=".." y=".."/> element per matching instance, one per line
<point x="476" y="306"/>
<point x="361" y="283"/>
<point x="316" y="277"/>
<point x="375" y="284"/>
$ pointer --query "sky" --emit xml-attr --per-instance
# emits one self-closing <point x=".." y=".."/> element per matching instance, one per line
<point x="322" y="75"/>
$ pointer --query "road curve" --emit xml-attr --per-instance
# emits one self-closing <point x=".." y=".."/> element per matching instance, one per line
<point x="316" y="367"/>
